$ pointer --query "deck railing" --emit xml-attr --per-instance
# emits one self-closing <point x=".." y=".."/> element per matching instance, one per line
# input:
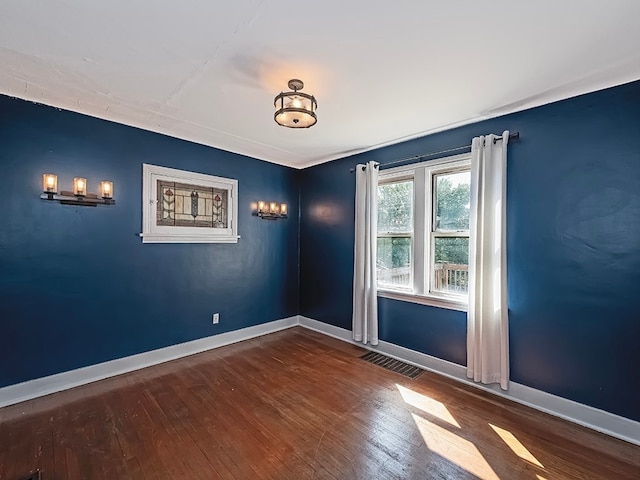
<point x="451" y="277"/>
<point x="400" y="276"/>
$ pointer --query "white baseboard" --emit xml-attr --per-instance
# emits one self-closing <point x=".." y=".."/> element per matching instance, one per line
<point x="605" y="422"/>
<point x="63" y="381"/>
<point x="590" y="417"/>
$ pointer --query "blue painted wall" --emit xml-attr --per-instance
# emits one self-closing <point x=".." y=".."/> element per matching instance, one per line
<point x="78" y="287"/>
<point x="573" y="249"/>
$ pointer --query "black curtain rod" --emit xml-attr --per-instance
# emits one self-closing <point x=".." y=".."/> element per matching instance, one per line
<point x="512" y="136"/>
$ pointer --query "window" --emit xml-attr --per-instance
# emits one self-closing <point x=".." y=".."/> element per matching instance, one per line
<point x="423" y="232"/>
<point x="186" y="207"/>
<point x="450" y="232"/>
<point x="395" y="233"/>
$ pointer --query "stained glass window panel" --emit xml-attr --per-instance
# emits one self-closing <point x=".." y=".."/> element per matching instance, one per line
<point x="186" y="205"/>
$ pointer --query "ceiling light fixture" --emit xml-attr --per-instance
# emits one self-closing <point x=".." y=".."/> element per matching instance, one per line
<point x="295" y="109"/>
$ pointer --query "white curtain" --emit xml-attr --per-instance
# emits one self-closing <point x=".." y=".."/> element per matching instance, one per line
<point x="365" y="299"/>
<point x="487" y="317"/>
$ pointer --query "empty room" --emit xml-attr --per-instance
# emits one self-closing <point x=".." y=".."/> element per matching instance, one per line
<point x="324" y="240"/>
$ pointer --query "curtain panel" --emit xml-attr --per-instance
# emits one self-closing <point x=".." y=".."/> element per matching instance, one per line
<point x="365" y="294"/>
<point x="487" y="316"/>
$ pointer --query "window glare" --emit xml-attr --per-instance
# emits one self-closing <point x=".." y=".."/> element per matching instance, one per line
<point x="395" y="207"/>
<point x="394" y="261"/>
<point x="451" y="266"/>
<point x="452" y="201"/>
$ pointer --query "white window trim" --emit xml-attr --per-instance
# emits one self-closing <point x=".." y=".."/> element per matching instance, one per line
<point x="152" y="233"/>
<point x="403" y="176"/>
<point x="423" y="196"/>
<point x="431" y="300"/>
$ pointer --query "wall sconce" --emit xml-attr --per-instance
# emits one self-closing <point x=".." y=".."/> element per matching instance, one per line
<point x="272" y="210"/>
<point x="79" y="196"/>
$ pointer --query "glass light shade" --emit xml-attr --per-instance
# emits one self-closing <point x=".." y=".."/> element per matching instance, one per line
<point x="283" y="209"/>
<point x="106" y="188"/>
<point x="261" y="206"/>
<point x="49" y="183"/>
<point x="273" y="207"/>
<point x="295" y="109"/>
<point x="80" y="186"/>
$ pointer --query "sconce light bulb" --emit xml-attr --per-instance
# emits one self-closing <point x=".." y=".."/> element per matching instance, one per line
<point x="107" y="189"/>
<point x="49" y="183"/>
<point x="80" y="186"/>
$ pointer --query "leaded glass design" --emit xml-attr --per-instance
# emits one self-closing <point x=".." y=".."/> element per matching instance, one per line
<point x="185" y="205"/>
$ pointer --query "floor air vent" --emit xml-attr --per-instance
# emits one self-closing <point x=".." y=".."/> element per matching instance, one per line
<point x="34" y="476"/>
<point x="392" y="364"/>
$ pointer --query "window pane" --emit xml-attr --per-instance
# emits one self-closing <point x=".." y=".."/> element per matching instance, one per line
<point x="452" y="201"/>
<point x="451" y="265"/>
<point x="395" y="207"/>
<point x="394" y="261"/>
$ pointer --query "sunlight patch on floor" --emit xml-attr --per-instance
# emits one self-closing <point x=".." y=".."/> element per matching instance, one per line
<point x="518" y="448"/>
<point x="427" y="405"/>
<point x="454" y="448"/>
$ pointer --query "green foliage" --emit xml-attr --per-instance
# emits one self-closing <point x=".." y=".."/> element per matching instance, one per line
<point x="452" y="250"/>
<point x="452" y="214"/>
<point x="395" y="207"/>
<point x="394" y="252"/>
<point x="395" y="215"/>
<point x="452" y="211"/>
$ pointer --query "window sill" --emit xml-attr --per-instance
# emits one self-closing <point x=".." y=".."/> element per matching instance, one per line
<point x="432" y="301"/>
<point x="178" y="238"/>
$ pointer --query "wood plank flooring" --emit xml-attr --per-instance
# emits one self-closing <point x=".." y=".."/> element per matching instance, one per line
<point x="295" y="405"/>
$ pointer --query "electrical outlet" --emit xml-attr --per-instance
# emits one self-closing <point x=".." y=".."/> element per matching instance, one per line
<point x="216" y="318"/>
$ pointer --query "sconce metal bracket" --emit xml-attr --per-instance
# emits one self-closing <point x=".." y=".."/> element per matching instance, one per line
<point x="68" y="198"/>
<point x="270" y="216"/>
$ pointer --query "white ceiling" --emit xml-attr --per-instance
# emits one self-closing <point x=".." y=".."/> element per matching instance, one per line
<point x="382" y="71"/>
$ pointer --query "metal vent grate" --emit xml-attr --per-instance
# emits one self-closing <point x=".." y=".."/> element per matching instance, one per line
<point x="34" y="476"/>
<point x="392" y="364"/>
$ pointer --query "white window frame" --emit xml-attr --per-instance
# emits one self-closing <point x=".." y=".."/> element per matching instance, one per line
<point x="153" y="233"/>
<point x="423" y="200"/>
<point x="433" y="233"/>
<point x="389" y="179"/>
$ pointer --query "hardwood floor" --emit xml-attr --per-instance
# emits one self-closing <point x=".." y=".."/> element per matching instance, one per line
<point x="295" y="405"/>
